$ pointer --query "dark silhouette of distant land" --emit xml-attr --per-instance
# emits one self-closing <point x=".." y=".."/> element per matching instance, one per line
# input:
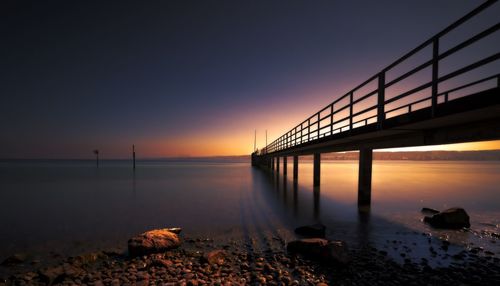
<point x="484" y="155"/>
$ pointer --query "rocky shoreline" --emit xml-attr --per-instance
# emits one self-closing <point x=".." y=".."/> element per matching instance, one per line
<point x="203" y="261"/>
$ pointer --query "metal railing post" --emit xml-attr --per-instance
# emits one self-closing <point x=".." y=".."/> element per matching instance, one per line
<point x="350" y="110"/>
<point x="308" y="129"/>
<point x="331" y="119"/>
<point x="318" y="126"/>
<point x="381" y="99"/>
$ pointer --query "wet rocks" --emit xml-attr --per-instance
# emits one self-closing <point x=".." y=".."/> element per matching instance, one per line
<point x="429" y="211"/>
<point x="339" y="252"/>
<point x="307" y="245"/>
<point x="272" y="266"/>
<point x="215" y="257"/>
<point x="153" y="241"/>
<point x="163" y="262"/>
<point x="315" y="230"/>
<point x="51" y="274"/>
<point x="14" y="259"/>
<point x="57" y="273"/>
<point x="454" y="218"/>
<point x="175" y="230"/>
<point x="321" y="249"/>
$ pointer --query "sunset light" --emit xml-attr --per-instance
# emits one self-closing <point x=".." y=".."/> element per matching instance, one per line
<point x="263" y="142"/>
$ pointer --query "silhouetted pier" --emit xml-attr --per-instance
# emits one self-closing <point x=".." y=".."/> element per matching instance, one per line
<point x="370" y="117"/>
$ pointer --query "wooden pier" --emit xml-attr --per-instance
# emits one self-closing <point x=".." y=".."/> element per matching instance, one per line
<point x="350" y="123"/>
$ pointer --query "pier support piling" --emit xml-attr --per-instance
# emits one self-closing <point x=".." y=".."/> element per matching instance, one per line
<point x="285" y="167"/>
<point x="272" y="163"/>
<point x="317" y="171"/>
<point x="295" y="168"/>
<point x="278" y="165"/>
<point x="365" y="177"/>
<point x="316" y="202"/>
<point x="133" y="156"/>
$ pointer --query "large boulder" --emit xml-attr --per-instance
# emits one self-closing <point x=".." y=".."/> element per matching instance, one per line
<point x="315" y="230"/>
<point x="454" y="218"/>
<point x="153" y="241"/>
<point x="321" y="249"/>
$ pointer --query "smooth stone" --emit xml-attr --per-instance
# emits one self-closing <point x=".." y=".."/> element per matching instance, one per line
<point x="175" y="230"/>
<point x="153" y="241"/>
<point x="429" y="211"/>
<point x="163" y="262"/>
<point x="339" y="252"/>
<point x="454" y="218"/>
<point x="51" y="275"/>
<point x="14" y="259"/>
<point x="315" y="230"/>
<point x="322" y="249"/>
<point x="71" y="270"/>
<point x="216" y="257"/>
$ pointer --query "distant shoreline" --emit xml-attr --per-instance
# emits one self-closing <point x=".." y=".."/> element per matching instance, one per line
<point x="483" y="155"/>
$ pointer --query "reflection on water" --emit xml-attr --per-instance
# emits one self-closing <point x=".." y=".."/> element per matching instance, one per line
<point x="73" y="206"/>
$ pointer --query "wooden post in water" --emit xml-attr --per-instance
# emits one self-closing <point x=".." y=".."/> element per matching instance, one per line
<point x="365" y="177"/>
<point x="278" y="165"/>
<point x="255" y="140"/>
<point x="295" y="168"/>
<point x="272" y="163"/>
<point x="317" y="169"/>
<point x="133" y="155"/>
<point x="96" y="152"/>
<point x="284" y="166"/>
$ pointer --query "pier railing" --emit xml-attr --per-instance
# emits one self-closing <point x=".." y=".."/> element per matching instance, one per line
<point x="351" y="110"/>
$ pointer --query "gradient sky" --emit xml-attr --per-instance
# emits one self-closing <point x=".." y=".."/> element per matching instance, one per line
<point x="195" y="78"/>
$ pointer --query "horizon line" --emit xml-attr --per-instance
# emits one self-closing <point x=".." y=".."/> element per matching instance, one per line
<point x="232" y="156"/>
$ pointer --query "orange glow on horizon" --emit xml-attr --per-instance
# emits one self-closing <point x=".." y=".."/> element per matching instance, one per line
<point x="473" y="146"/>
<point x="232" y="132"/>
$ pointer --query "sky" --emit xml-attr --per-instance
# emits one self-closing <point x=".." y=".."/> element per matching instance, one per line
<point x="192" y="78"/>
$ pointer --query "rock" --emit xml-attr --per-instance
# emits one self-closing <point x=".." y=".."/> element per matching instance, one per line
<point x="453" y="218"/>
<point x="14" y="259"/>
<point x="51" y="275"/>
<point x="315" y="230"/>
<point x="71" y="270"/>
<point x="175" y="230"/>
<point x="322" y="249"/>
<point x="308" y="246"/>
<point x="153" y="241"/>
<point x="87" y="258"/>
<point x="215" y="257"/>
<point x="163" y="262"/>
<point x="429" y="211"/>
<point x="339" y="252"/>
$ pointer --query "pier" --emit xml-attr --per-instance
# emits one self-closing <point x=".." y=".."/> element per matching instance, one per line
<point x="368" y="117"/>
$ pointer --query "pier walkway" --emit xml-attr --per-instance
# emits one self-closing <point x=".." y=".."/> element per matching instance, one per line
<point x="462" y="105"/>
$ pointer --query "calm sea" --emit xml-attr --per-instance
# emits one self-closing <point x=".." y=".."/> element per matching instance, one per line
<point x="71" y="207"/>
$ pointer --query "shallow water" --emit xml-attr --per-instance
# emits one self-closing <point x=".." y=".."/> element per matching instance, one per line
<point x="71" y="207"/>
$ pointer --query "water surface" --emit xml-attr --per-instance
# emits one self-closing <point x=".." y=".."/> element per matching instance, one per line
<point x="72" y="207"/>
